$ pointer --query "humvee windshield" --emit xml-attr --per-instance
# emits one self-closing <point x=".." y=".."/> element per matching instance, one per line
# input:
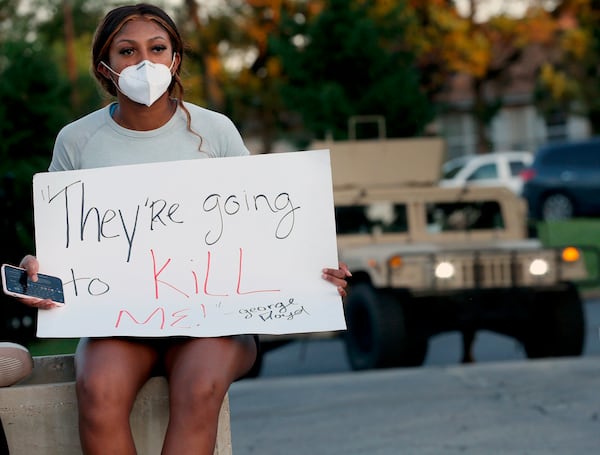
<point x="374" y="217"/>
<point x="464" y="215"/>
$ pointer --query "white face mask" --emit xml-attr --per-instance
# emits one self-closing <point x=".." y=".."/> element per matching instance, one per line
<point x="145" y="82"/>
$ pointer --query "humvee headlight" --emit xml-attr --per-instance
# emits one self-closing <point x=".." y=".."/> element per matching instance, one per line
<point x="571" y="254"/>
<point x="538" y="267"/>
<point x="444" y="270"/>
<point x="395" y="262"/>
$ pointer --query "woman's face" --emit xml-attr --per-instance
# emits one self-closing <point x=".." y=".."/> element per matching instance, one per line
<point x="140" y="39"/>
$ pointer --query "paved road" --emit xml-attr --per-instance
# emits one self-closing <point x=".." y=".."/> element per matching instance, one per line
<point x="328" y="356"/>
<point x="535" y="407"/>
<point x="308" y="402"/>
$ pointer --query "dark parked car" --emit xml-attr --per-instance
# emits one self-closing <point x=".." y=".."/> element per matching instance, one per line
<point x="564" y="181"/>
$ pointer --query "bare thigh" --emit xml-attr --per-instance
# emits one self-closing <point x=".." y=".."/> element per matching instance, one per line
<point x="221" y="358"/>
<point x="112" y="369"/>
<point x="200" y="372"/>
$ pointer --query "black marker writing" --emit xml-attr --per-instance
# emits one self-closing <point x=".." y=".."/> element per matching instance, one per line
<point x="232" y="205"/>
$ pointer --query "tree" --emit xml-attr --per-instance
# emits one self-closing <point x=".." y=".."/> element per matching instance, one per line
<point x="233" y="69"/>
<point x="34" y="97"/>
<point x="32" y="110"/>
<point x="449" y="44"/>
<point x="568" y="83"/>
<point x="590" y="70"/>
<point x="215" y="38"/>
<point x="255" y="89"/>
<point x="68" y="35"/>
<point x="349" y="60"/>
<point x="204" y="67"/>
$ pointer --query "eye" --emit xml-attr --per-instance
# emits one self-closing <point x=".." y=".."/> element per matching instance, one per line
<point x="126" y="51"/>
<point x="159" y="48"/>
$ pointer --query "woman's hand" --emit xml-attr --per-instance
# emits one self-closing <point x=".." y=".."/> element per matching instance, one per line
<point x="338" y="277"/>
<point x="32" y="266"/>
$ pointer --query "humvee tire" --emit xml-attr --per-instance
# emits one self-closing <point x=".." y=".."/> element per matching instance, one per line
<point x="377" y="335"/>
<point x="557" y="325"/>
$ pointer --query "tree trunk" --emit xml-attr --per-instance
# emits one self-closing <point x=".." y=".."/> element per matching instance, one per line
<point x="211" y="64"/>
<point x="69" y="31"/>
<point x="479" y="107"/>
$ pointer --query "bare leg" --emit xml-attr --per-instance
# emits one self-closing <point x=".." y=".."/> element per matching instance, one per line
<point x="110" y="372"/>
<point x="200" y="372"/>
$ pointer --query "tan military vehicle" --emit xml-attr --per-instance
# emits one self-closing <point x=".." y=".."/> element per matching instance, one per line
<point x="427" y="260"/>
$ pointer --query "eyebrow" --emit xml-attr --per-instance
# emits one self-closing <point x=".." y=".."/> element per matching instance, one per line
<point x="132" y="41"/>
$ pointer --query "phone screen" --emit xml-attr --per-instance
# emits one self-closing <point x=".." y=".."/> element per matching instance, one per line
<point x="17" y="283"/>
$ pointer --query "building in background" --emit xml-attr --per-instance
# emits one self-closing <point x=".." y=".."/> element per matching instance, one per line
<point x="518" y="125"/>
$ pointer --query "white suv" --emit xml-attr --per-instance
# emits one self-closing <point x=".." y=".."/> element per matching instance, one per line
<point x="490" y="169"/>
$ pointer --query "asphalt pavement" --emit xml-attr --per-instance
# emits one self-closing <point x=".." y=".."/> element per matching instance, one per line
<point x="511" y="407"/>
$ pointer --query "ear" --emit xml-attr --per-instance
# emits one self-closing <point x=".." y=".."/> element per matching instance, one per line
<point x="176" y="62"/>
<point x="104" y="71"/>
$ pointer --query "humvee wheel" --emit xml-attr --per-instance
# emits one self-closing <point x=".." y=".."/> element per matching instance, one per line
<point x="376" y="336"/>
<point x="557" y="325"/>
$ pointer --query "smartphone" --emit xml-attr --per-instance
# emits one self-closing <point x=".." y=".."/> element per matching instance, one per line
<point x="16" y="283"/>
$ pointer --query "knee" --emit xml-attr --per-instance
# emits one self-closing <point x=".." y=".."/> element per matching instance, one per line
<point x="200" y="397"/>
<point x="99" y="398"/>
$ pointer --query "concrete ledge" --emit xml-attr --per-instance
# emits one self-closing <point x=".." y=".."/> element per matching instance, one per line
<point x="40" y="413"/>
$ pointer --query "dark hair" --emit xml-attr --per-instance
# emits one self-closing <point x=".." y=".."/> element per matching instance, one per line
<point x="112" y="24"/>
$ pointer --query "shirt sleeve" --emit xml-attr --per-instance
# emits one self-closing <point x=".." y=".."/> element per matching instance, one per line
<point x="232" y="144"/>
<point x="61" y="158"/>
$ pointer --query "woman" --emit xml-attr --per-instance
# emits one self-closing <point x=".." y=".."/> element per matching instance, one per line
<point x="137" y="55"/>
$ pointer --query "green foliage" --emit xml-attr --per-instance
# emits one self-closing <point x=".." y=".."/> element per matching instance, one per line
<point x="35" y="104"/>
<point x="569" y="82"/>
<point x="86" y="15"/>
<point x="354" y="63"/>
<point x="590" y="72"/>
<point x="84" y="94"/>
<point x="55" y="346"/>
<point x="12" y="26"/>
<point x="32" y="110"/>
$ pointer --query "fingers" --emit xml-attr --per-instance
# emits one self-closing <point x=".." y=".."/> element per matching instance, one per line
<point x="31" y="264"/>
<point x="338" y="277"/>
<point x="345" y="269"/>
<point x="341" y="273"/>
<point x="42" y="304"/>
<point x="334" y="276"/>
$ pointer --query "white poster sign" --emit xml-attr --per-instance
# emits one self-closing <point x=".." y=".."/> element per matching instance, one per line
<point x="206" y="247"/>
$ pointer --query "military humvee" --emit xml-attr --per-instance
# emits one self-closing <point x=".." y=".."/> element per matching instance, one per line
<point x="427" y="260"/>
